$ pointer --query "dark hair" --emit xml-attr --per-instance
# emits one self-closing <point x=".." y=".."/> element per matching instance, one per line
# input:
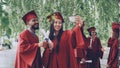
<point x="82" y="30"/>
<point x="116" y="31"/>
<point x="51" y="35"/>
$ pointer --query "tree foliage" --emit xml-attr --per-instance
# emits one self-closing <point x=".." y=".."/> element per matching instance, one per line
<point x="98" y="13"/>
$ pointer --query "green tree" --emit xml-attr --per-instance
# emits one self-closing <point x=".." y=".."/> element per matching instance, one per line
<point x="98" y="13"/>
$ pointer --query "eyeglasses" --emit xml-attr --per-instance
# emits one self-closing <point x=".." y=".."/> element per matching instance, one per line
<point x="93" y="32"/>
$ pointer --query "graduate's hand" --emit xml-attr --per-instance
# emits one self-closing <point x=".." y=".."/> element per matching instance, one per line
<point x="78" y="20"/>
<point x="102" y="49"/>
<point x="89" y="47"/>
<point x="50" y="44"/>
<point x="45" y="44"/>
<point x="40" y="44"/>
<point x="83" y="60"/>
<point x="1" y="49"/>
<point x="108" y="66"/>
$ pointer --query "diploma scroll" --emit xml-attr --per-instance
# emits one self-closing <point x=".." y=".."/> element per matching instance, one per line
<point x="46" y="34"/>
<point x="87" y="61"/>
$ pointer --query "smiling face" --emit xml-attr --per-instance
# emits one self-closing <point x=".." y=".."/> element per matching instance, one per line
<point x="33" y="23"/>
<point x="57" y="25"/>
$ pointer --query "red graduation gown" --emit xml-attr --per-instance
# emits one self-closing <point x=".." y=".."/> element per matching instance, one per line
<point x="80" y="51"/>
<point x="113" y="54"/>
<point x="78" y="37"/>
<point x="95" y="53"/>
<point x="110" y="42"/>
<point x="28" y="53"/>
<point x="65" y="57"/>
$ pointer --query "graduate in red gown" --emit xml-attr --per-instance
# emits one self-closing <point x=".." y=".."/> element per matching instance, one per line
<point x="94" y="50"/>
<point x="62" y="54"/>
<point x="28" y="51"/>
<point x="113" y="43"/>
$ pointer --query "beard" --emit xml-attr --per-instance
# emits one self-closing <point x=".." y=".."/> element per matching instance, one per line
<point x="35" y="26"/>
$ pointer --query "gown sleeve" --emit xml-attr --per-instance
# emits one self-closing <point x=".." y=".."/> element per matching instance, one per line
<point x="27" y="50"/>
<point x="78" y="37"/>
<point x="70" y="51"/>
<point x="100" y="52"/>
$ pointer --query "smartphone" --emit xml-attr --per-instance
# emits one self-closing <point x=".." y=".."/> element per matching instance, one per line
<point x="72" y="18"/>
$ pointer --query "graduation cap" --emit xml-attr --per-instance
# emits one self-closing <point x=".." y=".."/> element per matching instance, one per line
<point x="55" y="15"/>
<point x="115" y="26"/>
<point x="28" y="16"/>
<point x="91" y="29"/>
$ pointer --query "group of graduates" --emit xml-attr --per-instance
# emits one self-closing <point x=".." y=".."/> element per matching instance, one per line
<point x="63" y="48"/>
